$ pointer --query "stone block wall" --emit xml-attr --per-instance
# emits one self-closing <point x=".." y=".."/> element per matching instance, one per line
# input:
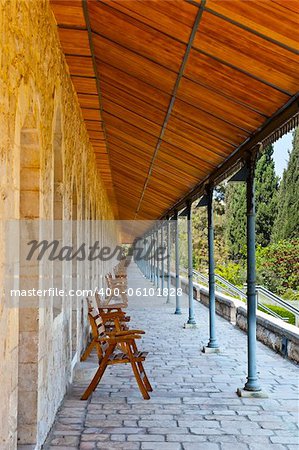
<point x="281" y="337"/>
<point x="41" y="128"/>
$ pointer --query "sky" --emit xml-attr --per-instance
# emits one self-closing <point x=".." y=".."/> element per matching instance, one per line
<point x="280" y="154"/>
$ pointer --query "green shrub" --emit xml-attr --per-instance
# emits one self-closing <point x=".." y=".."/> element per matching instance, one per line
<point x="281" y="312"/>
<point x="278" y="267"/>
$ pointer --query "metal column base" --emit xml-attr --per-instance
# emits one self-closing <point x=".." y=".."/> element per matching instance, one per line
<point x="190" y="325"/>
<point x="251" y="394"/>
<point x="209" y="350"/>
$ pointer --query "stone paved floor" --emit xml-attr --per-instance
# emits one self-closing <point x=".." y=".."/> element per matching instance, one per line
<point x="194" y="404"/>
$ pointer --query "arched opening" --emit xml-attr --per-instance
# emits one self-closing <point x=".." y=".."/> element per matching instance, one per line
<point x="29" y="279"/>
<point x="57" y="210"/>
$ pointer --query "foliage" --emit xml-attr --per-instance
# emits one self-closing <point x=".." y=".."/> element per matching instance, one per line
<point x="200" y="232"/>
<point x="233" y="272"/>
<point x="282" y="312"/>
<point x="287" y="222"/>
<point x="266" y="196"/>
<point x="278" y="266"/>
<point x="235" y="229"/>
<point x="266" y="186"/>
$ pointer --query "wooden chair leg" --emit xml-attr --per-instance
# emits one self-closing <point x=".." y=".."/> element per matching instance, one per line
<point x="142" y="370"/>
<point x="145" y="379"/>
<point x="141" y="386"/>
<point x="88" y="351"/>
<point x="98" y="375"/>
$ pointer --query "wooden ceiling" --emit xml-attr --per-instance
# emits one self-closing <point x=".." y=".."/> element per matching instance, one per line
<point x="170" y="89"/>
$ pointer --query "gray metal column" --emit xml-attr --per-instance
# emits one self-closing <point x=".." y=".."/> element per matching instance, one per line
<point x="252" y="387"/>
<point x="157" y="257"/>
<point x="168" y="259"/>
<point x="152" y="257"/>
<point x="177" y="265"/>
<point x="191" y="319"/>
<point x="162" y="255"/>
<point x="212" y="346"/>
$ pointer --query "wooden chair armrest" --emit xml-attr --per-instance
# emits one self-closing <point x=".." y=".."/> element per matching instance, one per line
<point x="118" y="307"/>
<point x="116" y="339"/>
<point x="112" y="308"/>
<point x="113" y="315"/>
<point x="125" y="332"/>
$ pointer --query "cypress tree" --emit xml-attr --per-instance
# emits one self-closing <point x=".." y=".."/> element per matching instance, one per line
<point x="287" y="222"/>
<point x="266" y="185"/>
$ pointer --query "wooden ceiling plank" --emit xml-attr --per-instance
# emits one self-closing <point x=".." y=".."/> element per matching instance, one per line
<point x="67" y="13"/>
<point x="136" y="36"/>
<point x="133" y="85"/>
<point x="74" y="41"/>
<point x="135" y="65"/>
<point x="84" y="85"/>
<point x="139" y="121"/>
<point x="80" y="65"/>
<point x="213" y="75"/>
<point x="220" y="107"/>
<point x="160" y="18"/>
<point x="248" y="53"/>
<point x="255" y="19"/>
<point x="132" y="103"/>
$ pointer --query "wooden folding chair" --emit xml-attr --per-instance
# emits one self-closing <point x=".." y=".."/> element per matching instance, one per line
<point x="108" y="355"/>
<point x="113" y="321"/>
<point x="105" y="308"/>
<point x="118" y="289"/>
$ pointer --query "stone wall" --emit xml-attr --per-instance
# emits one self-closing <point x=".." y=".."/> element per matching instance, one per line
<point x="40" y="118"/>
<point x="281" y="337"/>
<point x="225" y="306"/>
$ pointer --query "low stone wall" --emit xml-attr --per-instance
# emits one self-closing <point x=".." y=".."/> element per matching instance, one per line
<point x="275" y="333"/>
<point x="225" y="306"/>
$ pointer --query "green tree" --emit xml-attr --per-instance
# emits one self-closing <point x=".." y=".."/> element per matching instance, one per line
<point x="266" y="186"/>
<point x="200" y="232"/>
<point x="287" y="222"/>
<point x="278" y="267"/>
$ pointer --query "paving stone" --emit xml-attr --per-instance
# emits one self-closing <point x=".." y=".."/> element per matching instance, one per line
<point x="95" y="437"/>
<point x="71" y="441"/>
<point x="209" y="431"/>
<point x="175" y="430"/>
<point x="205" y="446"/>
<point x="267" y="446"/>
<point x="118" y="437"/>
<point x="99" y="423"/>
<point x="87" y="445"/>
<point x="146" y="438"/>
<point x="199" y="423"/>
<point x="158" y="423"/>
<point x="285" y="440"/>
<point x="229" y="446"/>
<point x="186" y="438"/>
<point x="160" y="446"/>
<point x="119" y="446"/>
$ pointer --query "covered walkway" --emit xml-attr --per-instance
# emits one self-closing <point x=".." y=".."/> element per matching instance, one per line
<point x="194" y="404"/>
